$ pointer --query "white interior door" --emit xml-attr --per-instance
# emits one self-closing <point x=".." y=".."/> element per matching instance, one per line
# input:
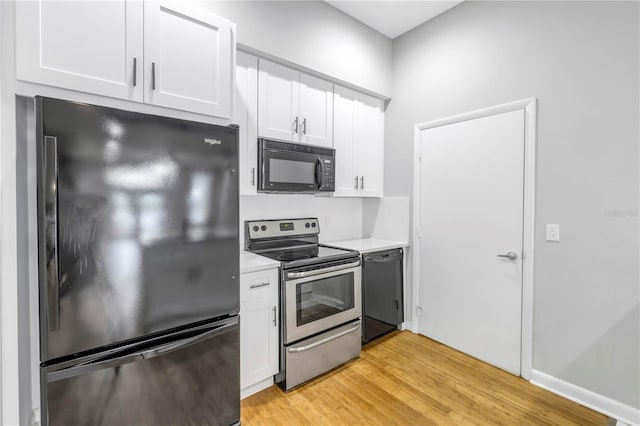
<point x="278" y="102"/>
<point x="188" y="58"/>
<point x="85" y="46"/>
<point x="316" y="111"/>
<point x="471" y="211"/>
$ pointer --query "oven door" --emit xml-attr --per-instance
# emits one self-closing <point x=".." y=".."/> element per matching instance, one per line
<point x="319" y="299"/>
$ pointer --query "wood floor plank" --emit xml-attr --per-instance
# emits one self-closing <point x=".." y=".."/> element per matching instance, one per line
<point x="408" y="379"/>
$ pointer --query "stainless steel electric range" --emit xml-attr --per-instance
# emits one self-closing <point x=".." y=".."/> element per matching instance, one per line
<point x="320" y="297"/>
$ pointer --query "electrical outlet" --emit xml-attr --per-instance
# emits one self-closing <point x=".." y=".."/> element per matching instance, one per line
<point x="553" y="232"/>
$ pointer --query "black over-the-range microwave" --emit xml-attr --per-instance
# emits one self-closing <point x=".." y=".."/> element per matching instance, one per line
<point x="294" y="167"/>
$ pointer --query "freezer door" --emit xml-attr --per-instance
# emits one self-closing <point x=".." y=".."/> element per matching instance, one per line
<point x="138" y="225"/>
<point x="191" y="378"/>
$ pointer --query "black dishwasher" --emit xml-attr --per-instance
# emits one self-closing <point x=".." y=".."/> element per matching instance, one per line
<point x="381" y="293"/>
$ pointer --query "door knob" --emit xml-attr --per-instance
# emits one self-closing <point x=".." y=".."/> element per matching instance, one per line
<point x="509" y="255"/>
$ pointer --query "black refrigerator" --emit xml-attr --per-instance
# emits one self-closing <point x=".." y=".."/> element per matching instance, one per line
<point x="138" y="267"/>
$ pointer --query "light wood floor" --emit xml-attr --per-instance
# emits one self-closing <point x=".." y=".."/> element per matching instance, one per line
<point x="408" y="379"/>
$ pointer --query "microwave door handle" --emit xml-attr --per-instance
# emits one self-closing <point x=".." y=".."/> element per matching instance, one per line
<point x="319" y="173"/>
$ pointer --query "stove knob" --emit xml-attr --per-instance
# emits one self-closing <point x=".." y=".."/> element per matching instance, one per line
<point x="307" y="225"/>
<point x="313" y="224"/>
<point x="255" y="228"/>
<point x="263" y="227"/>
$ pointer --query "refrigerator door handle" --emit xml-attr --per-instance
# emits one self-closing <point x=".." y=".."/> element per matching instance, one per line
<point x="118" y="359"/>
<point x="51" y="226"/>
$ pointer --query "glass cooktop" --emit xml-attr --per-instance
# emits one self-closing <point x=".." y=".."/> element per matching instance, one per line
<point x="311" y="252"/>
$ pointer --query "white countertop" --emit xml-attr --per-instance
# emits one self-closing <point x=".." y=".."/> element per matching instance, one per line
<point x="251" y="262"/>
<point x="367" y="245"/>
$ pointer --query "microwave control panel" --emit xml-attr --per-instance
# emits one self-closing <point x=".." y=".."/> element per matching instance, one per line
<point x="328" y="174"/>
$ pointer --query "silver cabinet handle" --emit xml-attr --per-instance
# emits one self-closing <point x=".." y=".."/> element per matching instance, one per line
<point x="356" y="327"/>
<point x="509" y="255"/>
<point x="304" y="126"/>
<point x="153" y="76"/>
<point x="259" y="285"/>
<point x="356" y="182"/>
<point x="361" y="182"/>
<point x="295" y="124"/>
<point x="253" y="176"/>
<point x="52" y="282"/>
<point x="274" y="316"/>
<point x="322" y="271"/>
<point x="135" y="71"/>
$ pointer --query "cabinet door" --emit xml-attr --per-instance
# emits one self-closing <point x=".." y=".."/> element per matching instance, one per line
<point x="93" y="47"/>
<point x="245" y="114"/>
<point x="278" y="102"/>
<point x="316" y="111"/>
<point x="370" y="146"/>
<point x="188" y="58"/>
<point x="345" y="141"/>
<point x="258" y="340"/>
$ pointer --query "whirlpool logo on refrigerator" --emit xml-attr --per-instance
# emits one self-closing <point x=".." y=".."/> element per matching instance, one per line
<point x="213" y="141"/>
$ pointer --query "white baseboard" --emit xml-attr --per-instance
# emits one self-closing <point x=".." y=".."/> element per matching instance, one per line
<point x="35" y="417"/>
<point x="625" y="414"/>
<point x="250" y="390"/>
<point x="406" y="326"/>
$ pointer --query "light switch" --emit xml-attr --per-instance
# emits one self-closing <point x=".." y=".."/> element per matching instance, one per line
<point x="553" y="232"/>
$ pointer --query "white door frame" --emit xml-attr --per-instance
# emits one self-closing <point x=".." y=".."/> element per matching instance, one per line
<point x="529" y="106"/>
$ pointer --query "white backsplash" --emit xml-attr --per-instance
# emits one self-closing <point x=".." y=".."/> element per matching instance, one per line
<point x="340" y="218"/>
<point x="387" y="218"/>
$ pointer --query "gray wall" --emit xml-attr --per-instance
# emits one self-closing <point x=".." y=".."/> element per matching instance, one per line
<point x="314" y="35"/>
<point x="581" y="60"/>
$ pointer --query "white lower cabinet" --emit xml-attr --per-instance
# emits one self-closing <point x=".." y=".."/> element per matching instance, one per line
<point x="259" y="325"/>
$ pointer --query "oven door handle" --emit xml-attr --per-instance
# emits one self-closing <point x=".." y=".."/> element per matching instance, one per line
<point x="322" y="270"/>
<point x="356" y="326"/>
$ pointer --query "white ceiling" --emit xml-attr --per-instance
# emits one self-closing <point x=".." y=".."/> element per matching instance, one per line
<point x="393" y="18"/>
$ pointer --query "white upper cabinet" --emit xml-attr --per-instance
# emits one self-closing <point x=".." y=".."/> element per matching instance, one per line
<point x="294" y="106"/>
<point x="278" y="102"/>
<point x="159" y="52"/>
<point x="188" y="58"/>
<point x="359" y="143"/>
<point x="345" y="141"/>
<point x="93" y="47"/>
<point x="316" y="111"/>
<point x="370" y="146"/>
<point x="245" y="113"/>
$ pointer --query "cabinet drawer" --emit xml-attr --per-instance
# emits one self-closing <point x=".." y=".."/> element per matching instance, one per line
<point x="258" y="284"/>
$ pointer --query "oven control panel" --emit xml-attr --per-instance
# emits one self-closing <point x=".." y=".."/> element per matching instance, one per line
<point x="258" y="229"/>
